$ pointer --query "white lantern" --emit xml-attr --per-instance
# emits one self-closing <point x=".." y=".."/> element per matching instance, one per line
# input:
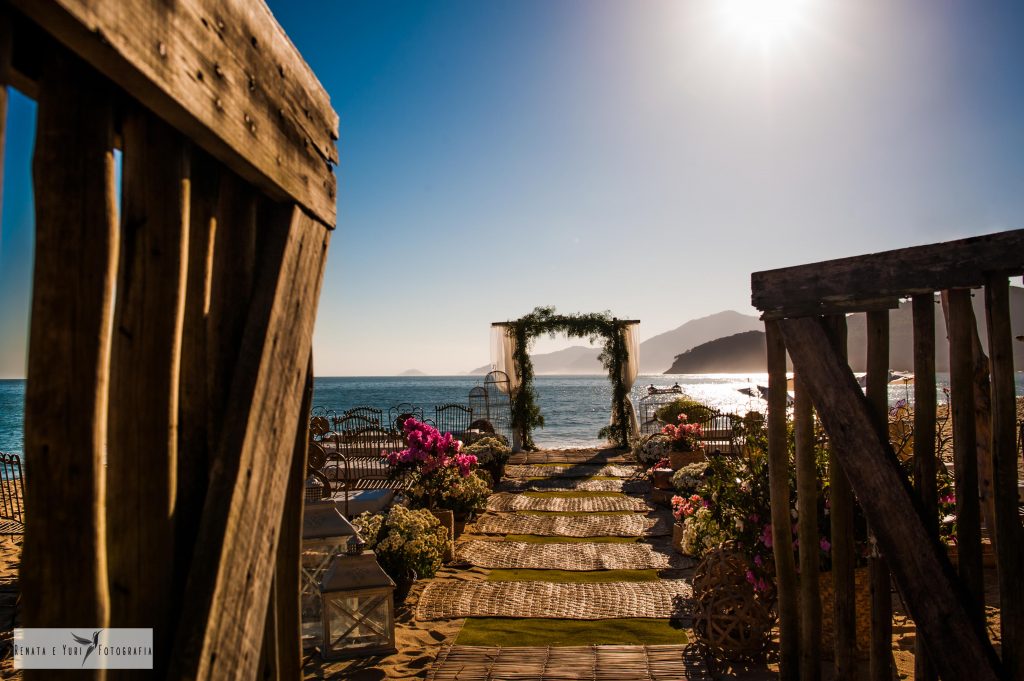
<point x="358" y="608"/>
<point x="325" y="534"/>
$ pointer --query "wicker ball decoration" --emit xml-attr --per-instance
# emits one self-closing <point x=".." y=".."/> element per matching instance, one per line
<point x="317" y="457"/>
<point x="721" y="567"/>
<point x="318" y="425"/>
<point x="730" y="618"/>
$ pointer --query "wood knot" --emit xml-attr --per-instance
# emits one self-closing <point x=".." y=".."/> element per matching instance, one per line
<point x="218" y="70"/>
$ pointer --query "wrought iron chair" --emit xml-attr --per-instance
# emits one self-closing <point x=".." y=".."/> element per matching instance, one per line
<point x="453" y="418"/>
<point x="12" y="495"/>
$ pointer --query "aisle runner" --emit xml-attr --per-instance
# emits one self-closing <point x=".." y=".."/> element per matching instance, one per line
<point x="564" y="456"/>
<point x="575" y="556"/>
<point x="569" y="471"/>
<point x="665" y="598"/>
<point x="575" y="526"/>
<point x="583" y="663"/>
<point x="503" y="502"/>
<point x="575" y="485"/>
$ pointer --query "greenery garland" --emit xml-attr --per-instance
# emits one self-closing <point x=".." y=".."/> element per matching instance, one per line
<point x="525" y="413"/>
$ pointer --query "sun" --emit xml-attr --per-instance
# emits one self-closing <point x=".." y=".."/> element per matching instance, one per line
<point x="763" y="24"/>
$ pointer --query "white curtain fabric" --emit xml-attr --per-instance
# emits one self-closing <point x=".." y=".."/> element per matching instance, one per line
<point x="628" y="375"/>
<point x="502" y="350"/>
<point x="629" y="371"/>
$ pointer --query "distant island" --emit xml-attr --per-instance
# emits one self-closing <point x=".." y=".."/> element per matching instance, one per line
<point x="739" y="353"/>
<point x="412" y="372"/>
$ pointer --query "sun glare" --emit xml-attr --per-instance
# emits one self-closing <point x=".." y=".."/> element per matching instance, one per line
<point x="763" y="24"/>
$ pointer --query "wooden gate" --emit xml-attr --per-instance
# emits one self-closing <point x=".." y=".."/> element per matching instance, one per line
<point x="804" y="310"/>
<point x="169" y="352"/>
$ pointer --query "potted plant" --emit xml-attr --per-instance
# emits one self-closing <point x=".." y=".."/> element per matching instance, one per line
<point x="685" y="442"/>
<point x="660" y="474"/>
<point x="431" y="463"/>
<point x="650" y="449"/>
<point x="492" y="453"/>
<point x="409" y="544"/>
<point x="464" y="497"/>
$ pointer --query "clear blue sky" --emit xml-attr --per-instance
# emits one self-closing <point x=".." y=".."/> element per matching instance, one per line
<point x="642" y="157"/>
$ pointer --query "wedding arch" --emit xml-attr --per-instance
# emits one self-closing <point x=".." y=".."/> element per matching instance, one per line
<point x="510" y="352"/>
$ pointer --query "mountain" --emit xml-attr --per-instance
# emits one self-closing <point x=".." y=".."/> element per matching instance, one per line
<point x="744" y="352"/>
<point x="578" y="359"/>
<point x="901" y="333"/>
<point x="412" y="372"/>
<point x="659" y="352"/>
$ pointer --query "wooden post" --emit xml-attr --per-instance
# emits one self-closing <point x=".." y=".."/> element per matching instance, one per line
<point x="878" y="396"/>
<point x="1010" y="556"/>
<point x="918" y="563"/>
<point x="782" y="534"/>
<point x="195" y="405"/>
<point x="807" y="514"/>
<point x="235" y="557"/>
<point x="6" y="44"/>
<point x="841" y="509"/>
<point x="925" y="456"/>
<point x="64" y="572"/>
<point x="965" y="453"/>
<point x="289" y="611"/>
<point x="145" y="362"/>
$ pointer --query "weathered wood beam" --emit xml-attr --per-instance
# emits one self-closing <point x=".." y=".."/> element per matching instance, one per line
<point x="842" y="505"/>
<point x="225" y="74"/>
<point x="63" y="572"/>
<point x="807" y="533"/>
<point x="936" y="600"/>
<point x="6" y="47"/>
<point x="1010" y="555"/>
<point x="145" y="370"/>
<point x="925" y="456"/>
<point x="880" y="668"/>
<point x="289" y="550"/>
<point x="833" y="308"/>
<point x="221" y="632"/>
<point x="895" y="274"/>
<point x="965" y="450"/>
<point x="778" y="481"/>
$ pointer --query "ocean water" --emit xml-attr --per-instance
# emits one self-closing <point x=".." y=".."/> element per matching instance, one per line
<point x="574" y="407"/>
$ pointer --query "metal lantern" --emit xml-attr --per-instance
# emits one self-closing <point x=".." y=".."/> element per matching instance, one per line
<point x="325" y="534"/>
<point x="358" y="609"/>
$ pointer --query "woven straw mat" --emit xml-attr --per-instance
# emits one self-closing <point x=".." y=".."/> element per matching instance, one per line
<point x="575" y="526"/>
<point x="503" y="502"/>
<point x="576" y="556"/>
<point x="569" y="471"/>
<point x="449" y="599"/>
<point x="575" y="485"/>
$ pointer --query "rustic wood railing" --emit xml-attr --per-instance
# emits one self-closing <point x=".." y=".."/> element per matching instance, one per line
<point x="804" y="310"/>
<point x="172" y="331"/>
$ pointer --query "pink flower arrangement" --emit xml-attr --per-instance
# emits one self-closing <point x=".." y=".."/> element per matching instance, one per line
<point x="685" y="436"/>
<point x="429" y="451"/>
<point x="684" y="508"/>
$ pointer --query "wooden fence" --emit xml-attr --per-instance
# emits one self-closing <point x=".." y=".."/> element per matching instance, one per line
<point x="171" y="323"/>
<point x="804" y="311"/>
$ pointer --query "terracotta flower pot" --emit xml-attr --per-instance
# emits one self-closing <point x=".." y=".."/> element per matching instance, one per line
<point x="663" y="478"/>
<point x="679" y="459"/>
<point x="677" y="537"/>
<point x="447" y="519"/>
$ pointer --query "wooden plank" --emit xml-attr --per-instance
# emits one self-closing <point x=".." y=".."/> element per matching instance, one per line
<point x="834" y="308"/>
<point x="881" y="597"/>
<point x="221" y="633"/>
<point x="231" y="281"/>
<point x="842" y="503"/>
<point x="925" y="456"/>
<point x="898" y="273"/>
<point x="194" y="393"/>
<point x="965" y="452"/>
<point x="782" y="534"/>
<point x="145" y="365"/>
<point x="289" y="610"/>
<point x="807" y="533"/>
<point x="63" y="573"/>
<point x="1010" y="557"/>
<point x="918" y="563"/>
<point x="225" y="74"/>
<point x="6" y="47"/>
